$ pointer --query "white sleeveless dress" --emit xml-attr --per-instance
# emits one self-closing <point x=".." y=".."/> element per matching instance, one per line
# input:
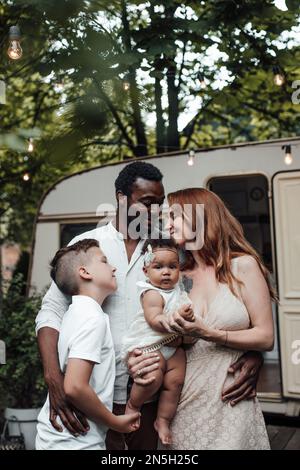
<point x="141" y="335"/>
<point x="203" y="421"/>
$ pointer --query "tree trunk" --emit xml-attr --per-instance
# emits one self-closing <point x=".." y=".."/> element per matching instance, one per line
<point x="160" y="122"/>
<point x="172" y="134"/>
<point x="141" y="146"/>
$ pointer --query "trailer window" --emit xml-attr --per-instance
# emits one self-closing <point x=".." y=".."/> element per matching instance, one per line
<point x="246" y="196"/>
<point x="71" y="230"/>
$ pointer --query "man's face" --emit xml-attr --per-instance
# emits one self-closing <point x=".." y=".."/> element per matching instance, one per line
<point x="145" y="200"/>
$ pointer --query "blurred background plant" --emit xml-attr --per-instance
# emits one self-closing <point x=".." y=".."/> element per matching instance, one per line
<point x="21" y="379"/>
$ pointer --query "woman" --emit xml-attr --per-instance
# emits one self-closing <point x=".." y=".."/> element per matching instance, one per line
<point x="231" y="294"/>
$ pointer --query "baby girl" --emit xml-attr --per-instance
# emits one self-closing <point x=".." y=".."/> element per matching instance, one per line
<point x="160" y="295"/>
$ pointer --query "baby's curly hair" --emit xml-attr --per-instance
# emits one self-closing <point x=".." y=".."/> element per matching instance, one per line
<point x="167" y="243"/>
<point x="66" y="260"/>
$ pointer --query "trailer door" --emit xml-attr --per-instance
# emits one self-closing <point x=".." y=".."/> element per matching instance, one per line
<point x="286" y="206"/>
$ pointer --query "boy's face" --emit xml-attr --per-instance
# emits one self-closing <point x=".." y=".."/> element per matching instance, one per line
<point x="163" y="271"/>
<point x="102" y="273"/>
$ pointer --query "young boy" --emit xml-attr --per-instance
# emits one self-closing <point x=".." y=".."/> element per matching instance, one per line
<point x="85" y="350"/>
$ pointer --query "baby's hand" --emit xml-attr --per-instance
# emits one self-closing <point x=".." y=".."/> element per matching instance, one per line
<point x="187" y="312"/>
<point x="127" y="423"/>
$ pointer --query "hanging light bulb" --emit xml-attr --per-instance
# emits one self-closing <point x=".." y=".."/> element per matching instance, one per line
<point x="14" y="50"/>
<point x="58" y="87"/>
<point x="288" y="158"/>
<point x="279" y="78"/>
<point x="126" y="85"/>
<point x="191" y="159"/>
<point x="201" y="79"/>
<point x="30" y="145"/>
<point x="26" y="177"/>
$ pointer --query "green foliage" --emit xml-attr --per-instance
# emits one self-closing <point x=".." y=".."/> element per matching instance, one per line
<point x="159" y="48"/>
<point x="21" y="379"/>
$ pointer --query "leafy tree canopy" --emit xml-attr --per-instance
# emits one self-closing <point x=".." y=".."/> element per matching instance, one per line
<point x="102" y="81"/>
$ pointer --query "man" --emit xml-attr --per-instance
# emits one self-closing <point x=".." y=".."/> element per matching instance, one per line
<point x="139" y="185"/>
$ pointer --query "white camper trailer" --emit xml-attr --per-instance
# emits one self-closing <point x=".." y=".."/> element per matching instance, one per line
<point x="261" y="186"/>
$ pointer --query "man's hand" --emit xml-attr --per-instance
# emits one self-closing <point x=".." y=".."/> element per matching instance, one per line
<point x="244" y="386"/>
<point x="72" y="419"/>
<point x="140" y="364"/>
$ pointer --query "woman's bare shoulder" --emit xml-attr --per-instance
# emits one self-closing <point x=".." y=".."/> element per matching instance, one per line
<point x="246" y="263"/>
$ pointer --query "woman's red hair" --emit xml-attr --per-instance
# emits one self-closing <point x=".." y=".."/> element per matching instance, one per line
<point x="223" y="235"/>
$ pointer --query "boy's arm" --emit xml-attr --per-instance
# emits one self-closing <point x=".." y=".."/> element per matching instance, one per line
<point x="153" y="305"/>
<point x="81" y="394"/>
<point x="48" y="321"/>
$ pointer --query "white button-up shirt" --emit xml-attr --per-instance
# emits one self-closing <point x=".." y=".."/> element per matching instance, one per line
<point x="121" y="306"/>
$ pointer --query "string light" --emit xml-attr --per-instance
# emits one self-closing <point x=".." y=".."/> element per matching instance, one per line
<point x="14" y="50"/>
<point x="288" y="158"/>
<point x="201" y="80"/>
<point x="30" y="145"/>
<point x="26" y="177"/>
<point x="279" y="78"/>
<point x="191" y="159"/>
<point x="58" y="87"/>
<point x="126" y="85"/>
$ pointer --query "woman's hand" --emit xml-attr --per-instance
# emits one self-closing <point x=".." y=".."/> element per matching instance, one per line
<point x="197" y="328"/>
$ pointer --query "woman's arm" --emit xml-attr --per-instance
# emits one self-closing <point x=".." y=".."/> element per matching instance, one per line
<point x="81" y="394"/>
<point x="256" y="297"/>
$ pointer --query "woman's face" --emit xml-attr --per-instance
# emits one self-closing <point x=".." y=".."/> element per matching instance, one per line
<point x="179" y="227"/>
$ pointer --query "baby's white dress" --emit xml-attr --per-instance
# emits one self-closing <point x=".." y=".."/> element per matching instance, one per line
<point x="141" y="335"/>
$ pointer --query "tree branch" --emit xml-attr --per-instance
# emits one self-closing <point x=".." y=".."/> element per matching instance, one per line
<point x="115" y="114"/>
<point x="141" y="148"/>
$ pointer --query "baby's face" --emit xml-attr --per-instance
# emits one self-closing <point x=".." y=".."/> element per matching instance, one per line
<point x="163" y="271"/>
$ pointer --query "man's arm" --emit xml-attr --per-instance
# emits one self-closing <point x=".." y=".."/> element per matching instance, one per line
<point x="54" y="305"/>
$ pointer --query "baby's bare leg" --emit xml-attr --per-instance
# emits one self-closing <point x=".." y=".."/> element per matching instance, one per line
<point x="141" y="393"/>
<point x="170" y="394"/>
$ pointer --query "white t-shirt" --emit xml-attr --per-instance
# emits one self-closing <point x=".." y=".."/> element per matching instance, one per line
<point x="84" y="334"/>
